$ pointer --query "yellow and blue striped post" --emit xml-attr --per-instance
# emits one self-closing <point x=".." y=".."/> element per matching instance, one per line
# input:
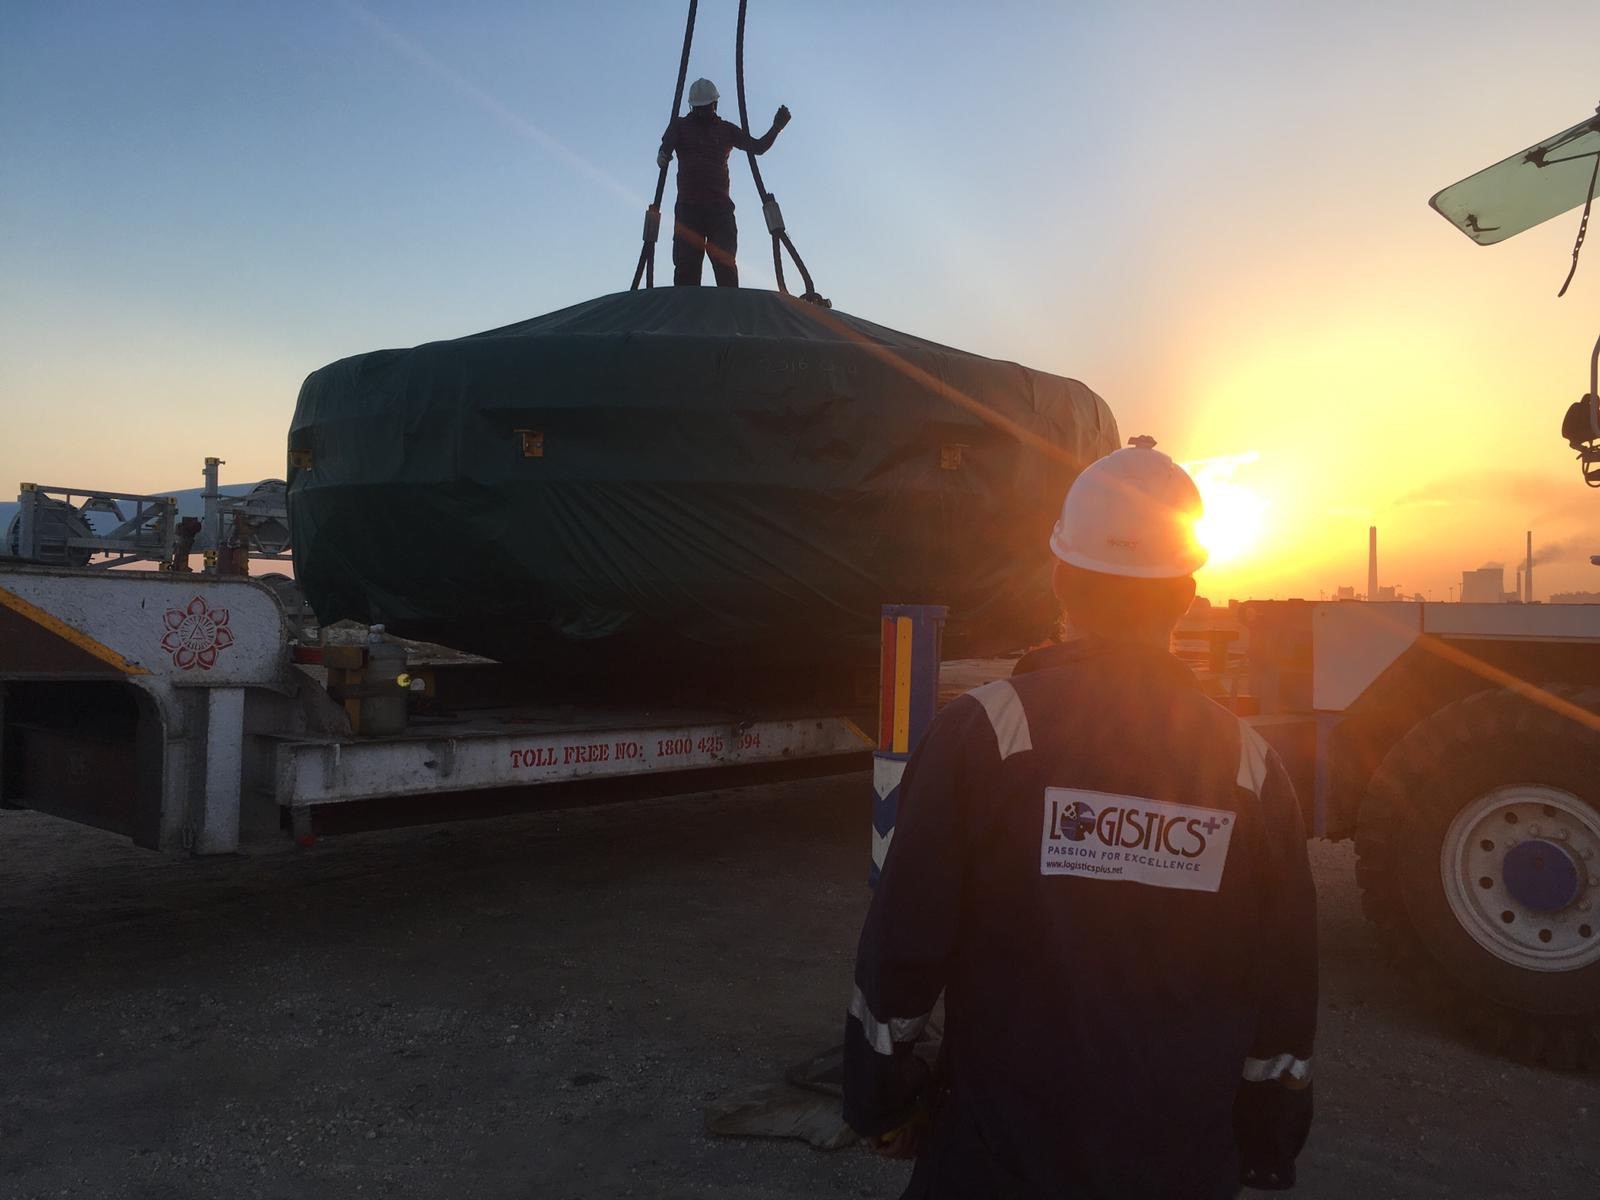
<point x="908" y="697"/>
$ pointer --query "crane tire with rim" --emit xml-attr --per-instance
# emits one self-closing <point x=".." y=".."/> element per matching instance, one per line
<point x="1478" y="857"/>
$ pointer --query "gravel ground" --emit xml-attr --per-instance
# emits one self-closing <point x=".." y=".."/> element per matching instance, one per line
<point x="542" y="1006"/>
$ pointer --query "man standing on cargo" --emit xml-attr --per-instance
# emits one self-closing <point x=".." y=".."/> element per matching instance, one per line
<point x="1105" y="874"/>
<point x="703" y="220"/>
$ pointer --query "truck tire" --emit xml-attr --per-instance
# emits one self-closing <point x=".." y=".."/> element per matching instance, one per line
<point x="1478" y="858"/>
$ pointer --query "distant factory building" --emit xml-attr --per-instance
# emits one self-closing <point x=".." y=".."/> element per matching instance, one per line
<point x="1384" y="593"/>
<point x="1486" y="585"/>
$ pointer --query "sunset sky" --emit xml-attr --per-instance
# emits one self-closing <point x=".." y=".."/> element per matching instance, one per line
<point x="1214" y="215"/>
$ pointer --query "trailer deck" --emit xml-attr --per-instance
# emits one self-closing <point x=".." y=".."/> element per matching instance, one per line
<point x="514" y="747"/>
<point x="187" y="695"/>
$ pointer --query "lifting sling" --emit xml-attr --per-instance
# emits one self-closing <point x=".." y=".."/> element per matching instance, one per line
<point x="771" y="213"/>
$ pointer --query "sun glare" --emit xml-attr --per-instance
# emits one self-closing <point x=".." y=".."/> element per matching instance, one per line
<point x="1234" y="515"/>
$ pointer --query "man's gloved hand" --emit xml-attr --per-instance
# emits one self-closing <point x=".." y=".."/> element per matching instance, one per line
<point x="906" y="1141"/>
<point x="1270" y="1122"/>
<point x="663" y="158"/>
<point x="782" y="118"/>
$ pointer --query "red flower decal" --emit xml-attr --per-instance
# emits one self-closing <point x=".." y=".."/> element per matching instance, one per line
<point x="196" y="635"/>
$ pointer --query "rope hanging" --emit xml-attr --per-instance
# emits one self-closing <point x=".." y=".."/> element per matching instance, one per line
<point x="652" y="215"/>
<point x="769" y="203"/>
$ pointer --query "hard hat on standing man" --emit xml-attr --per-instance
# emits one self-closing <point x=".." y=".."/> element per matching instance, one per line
<point x="1104" y="872"/>
<point x="1132" y="513"/>
<point x="703" y="92"/>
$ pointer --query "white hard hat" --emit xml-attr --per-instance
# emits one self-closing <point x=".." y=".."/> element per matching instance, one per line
<point x="703" y="92"/>
<point x="1132" y="513"/>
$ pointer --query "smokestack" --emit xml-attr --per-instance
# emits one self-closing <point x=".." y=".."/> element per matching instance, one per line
<point x="1527" y="574"/>
<point x="1520" y="598"/>
<point x="1372" y="562"/>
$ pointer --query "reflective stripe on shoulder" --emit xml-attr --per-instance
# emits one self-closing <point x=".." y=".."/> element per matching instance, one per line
<point x="1252" y="759"/>
<point x="1291" y="1070"/>
<point x="1006" y="714"/>
<point x="882" y="1035"/>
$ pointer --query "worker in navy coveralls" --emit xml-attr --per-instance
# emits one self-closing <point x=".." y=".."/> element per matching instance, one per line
<point x="1105" y="874"/>
<point x="703" y="219"/>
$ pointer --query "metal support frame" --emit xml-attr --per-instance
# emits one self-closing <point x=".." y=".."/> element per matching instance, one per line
<point x="224" y="772"/>
<point x="149" y="533"/>
<point x="212" y="519"/>
<point x="193" y="649"/>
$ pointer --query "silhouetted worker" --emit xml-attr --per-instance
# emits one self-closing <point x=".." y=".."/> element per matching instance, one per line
<point x="1105" y="873"/>
<point x="704" y="221"/>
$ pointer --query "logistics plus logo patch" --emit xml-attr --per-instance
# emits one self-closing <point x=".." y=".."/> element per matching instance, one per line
<point x="1076" y="821"/>
<point x="1130" y="839"/>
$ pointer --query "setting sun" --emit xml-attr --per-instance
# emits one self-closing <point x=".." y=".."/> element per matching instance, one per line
<point x="1234" y="515"/>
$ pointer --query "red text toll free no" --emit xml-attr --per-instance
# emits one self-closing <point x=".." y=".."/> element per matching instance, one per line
<point x="576" y="754"/>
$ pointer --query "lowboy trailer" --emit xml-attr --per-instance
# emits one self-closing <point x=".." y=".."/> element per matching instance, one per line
<point x="183" y="711"/>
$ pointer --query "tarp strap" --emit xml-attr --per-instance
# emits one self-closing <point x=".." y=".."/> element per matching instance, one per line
<point x="646" y="268"/>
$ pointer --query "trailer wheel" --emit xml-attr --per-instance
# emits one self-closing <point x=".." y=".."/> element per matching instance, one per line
<point x="1478" y="856"/>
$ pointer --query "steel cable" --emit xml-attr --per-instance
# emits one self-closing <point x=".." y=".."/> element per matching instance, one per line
<point x="769" y="206"/>
<point x="652" y="215"/>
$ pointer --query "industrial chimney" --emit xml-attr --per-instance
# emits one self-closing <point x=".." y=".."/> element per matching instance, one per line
<point x="1372" y="562"/>
<point x="1527" y="574"/>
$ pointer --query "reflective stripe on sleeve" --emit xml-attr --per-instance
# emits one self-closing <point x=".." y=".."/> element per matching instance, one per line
<point x="1006" y="714"/>
<point x="882" y="1035"/>
<point x="1252" y="759"/>
<point x="1286" y="1067"/>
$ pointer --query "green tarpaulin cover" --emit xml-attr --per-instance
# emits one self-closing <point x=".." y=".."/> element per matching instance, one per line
<point x="686" y="480"/>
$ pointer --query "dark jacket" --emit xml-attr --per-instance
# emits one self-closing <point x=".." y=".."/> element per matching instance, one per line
<point x="1105" y="874"/>
<point x="702" y="141"/>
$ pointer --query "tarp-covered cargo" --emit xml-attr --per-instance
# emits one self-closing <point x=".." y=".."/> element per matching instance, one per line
<point x="688" y="481"/>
